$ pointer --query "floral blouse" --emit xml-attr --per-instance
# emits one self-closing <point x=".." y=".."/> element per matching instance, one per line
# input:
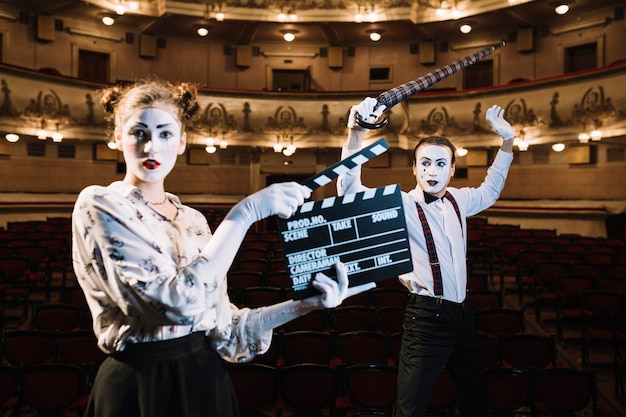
<point x="146" y="279"/>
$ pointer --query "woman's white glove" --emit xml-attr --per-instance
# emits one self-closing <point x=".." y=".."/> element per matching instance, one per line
<point x="495" y="117"/>
<point x="367" y="110"/>
<point x="280" y="199"/>
<point x="334" y="292"/>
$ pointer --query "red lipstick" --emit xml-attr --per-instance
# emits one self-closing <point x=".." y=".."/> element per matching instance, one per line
<point x="151" y="164"/>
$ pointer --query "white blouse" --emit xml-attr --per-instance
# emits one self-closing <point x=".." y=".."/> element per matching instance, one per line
<point x="145" y="277"/>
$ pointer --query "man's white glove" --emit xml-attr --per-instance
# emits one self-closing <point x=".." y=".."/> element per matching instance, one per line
<point x="334" y="292"/>
<point x="367" y="110"/>
<point x="280" y="199"/>
<point x="495" y="117"/>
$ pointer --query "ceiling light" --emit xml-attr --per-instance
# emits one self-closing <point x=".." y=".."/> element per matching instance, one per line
<point x="465" y="28"/>
<point x="223" y="144"/>
<point x="289" y="34"/>
<point x="108" y="20"/>
<point x="461" y="151"/>
<point x="57" y="137"/>
<point x="133" y="5"/>
<point x="112" y="145"/>
<point x="558" y="147"/>
<point x="561" y="8"/>
<point x="219" y="16"/>
<point x="12" y="137"/>
<point x="202" y="31"/>
<point x="375" y="34"/>
<point x="120" y="9"/>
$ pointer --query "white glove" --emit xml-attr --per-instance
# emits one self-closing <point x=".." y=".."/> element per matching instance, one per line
<point x="367" y="110"/>
<point x="280" y="199"/>
<point x="495" y="117"/>
<point x="334" y="292"/>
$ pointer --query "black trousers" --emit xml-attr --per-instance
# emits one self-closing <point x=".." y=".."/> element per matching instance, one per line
<point x="438" y="334"/>
<point x="182" y="377"/>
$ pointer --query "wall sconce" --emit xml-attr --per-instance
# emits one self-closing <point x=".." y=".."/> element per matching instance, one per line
<point x="57" y="136"/>
<point x="12" y="137"/>
<point x="41" y="133"/>
<point x="278" y="147"/>
<point x="120" y="9"/>
<point x="461" y="151"/>
<point x="595" y="134"/>
<point x="210" y="145"/>
<point x="290" y="15"/>
<point x="558" y="147"/>
<point x="358" y="16"/>
<point x="289" y="150"/>
<point x="522" y="145"/>
<point x="289" y="34"/>
<point x="584" y="137"/>
<point x="375" y="34"/>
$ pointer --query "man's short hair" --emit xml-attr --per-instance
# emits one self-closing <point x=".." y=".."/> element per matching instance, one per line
<point x="435" y="140"/>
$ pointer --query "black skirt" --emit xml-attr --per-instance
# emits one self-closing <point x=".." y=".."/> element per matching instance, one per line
<point x="182" y="377"/>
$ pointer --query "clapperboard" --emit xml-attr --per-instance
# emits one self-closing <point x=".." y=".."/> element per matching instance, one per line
<point x="366" y="231"/>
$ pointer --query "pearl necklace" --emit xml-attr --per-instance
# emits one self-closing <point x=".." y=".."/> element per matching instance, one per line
<point x="158" y="203"/>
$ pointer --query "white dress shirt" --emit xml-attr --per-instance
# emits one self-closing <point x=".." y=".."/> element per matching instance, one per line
<point x="449" y="238"/>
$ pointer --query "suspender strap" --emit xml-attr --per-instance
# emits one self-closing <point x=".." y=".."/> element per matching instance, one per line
<point x="430" y="243"/>
<point x="448" y="195"/>
<point x="432" y="252"/>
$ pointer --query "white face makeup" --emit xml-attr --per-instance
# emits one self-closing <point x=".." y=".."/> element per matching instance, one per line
<point x="151" y="140"/>
<point x="433" y="168"/>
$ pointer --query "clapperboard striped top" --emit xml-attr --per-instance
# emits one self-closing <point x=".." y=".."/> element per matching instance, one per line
<point x="330" y="202"/>
<point x="326" y="176"/>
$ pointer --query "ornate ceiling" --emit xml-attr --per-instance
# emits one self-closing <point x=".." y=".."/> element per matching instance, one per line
<point x="321" y="22"/>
